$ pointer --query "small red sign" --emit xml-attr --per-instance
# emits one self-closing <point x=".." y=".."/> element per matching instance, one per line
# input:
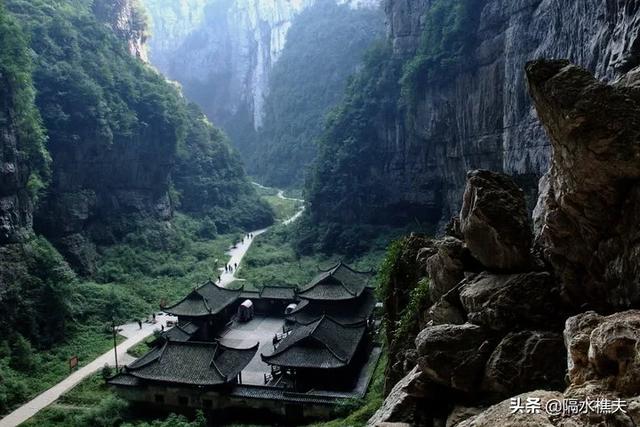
<point x="73" y="362"/>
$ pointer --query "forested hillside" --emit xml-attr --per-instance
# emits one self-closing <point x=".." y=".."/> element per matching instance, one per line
<point x="116" y="129"/>
<point x="325" y="46"/>
<point x="108" y="163"/>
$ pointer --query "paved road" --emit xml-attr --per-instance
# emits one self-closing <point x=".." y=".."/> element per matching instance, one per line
<point x="133" y="335"/>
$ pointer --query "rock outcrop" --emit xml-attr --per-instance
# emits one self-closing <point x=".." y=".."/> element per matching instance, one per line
<point x="494" y="222"/>
<point x="591" y="203"/>
<point x="585" y="254"/>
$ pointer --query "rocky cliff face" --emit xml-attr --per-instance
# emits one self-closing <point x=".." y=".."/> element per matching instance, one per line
<point x="509" y="314"/>
<point x="16" y="207"/>
<point x="128" y="20"/>
<point x="222" y="52"/>
<point x="480" y="115"/>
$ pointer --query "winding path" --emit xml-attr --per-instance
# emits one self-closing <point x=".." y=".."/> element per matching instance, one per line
<point x="133" y="334"/>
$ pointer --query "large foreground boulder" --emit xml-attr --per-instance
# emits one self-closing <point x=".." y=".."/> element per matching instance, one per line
<point x="503" y="415"/>
<point x="507" y="301"/>
<point x="446" y="268"/>
<point x="544" y="409"/>
<point x="605" y="348"/>
<point x="454" y="355"/>
<point x="403" y="402"/>
<point x="526" y="360"/>
<point x="587" y="215"/>
<point x="494" y="221"/>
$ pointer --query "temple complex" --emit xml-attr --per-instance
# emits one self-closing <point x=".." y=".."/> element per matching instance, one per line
<point x="289" y="351"/>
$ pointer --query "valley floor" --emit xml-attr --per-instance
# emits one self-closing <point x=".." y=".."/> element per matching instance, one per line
<point x="141" y="276"/>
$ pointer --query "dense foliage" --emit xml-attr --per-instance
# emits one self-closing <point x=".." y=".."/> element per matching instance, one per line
<point x="444" y="46"/>
<point x="343" y="185"/>
<point x="104" y="107"/>
<point x="345" y="189"/>
<point x="325" y="45"/>
<point x="210" y="180"/>
<point x="94" y="101"/>
<point x="17" y="107"/>
<point x="89" y="87"/>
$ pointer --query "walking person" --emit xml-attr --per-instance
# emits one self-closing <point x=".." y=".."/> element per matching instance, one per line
<point x="140" y="323"/>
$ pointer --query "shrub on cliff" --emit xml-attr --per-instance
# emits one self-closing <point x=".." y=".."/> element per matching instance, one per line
<point x="18" y="110"/>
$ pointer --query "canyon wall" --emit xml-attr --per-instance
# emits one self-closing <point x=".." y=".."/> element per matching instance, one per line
<point x="481" y="117"/>
<point x="449" y="97"/>
<point x="128" y="20"/>
<point x="222" y="53"/>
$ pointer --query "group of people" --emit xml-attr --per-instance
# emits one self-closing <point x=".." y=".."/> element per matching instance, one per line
<point x="151" y="320"/>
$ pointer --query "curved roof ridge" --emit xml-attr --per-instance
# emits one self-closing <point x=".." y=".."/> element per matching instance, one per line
<point x="346" y="288"/>
<point x="334" y="267"/>
<point x="133" y="366"/>
<point x="356" y="271"/>
<point x="190" y="294"/>
<point x="326" y="317"/>
<point x="213" y="363"/>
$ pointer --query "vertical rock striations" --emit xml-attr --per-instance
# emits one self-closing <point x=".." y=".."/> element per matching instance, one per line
<point x="128" y="20"/>
<point x="521" y="331"/>
<point x="589" y="208"/>
<point x="222" y="52"/>
<point x="463" y="104"/>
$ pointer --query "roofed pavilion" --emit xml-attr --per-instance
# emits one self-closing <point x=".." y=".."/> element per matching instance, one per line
<point x="200" y="364"/>
<point x="209" y="307"/>
<point x="312" y="350"/>
<point x="339" y="283"/>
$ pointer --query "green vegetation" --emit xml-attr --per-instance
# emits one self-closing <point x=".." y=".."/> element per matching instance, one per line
<point x="162" y="262"/>
<point x="210" y="182"/>
<point x="89" y="87"/>
<point x="345" y="188"/>
<point x="102" y="106"/>
<point x="283" y="208"/>
<point x="141" y="348"/>
<point x="408" y="325"/>
<point x="273" y="260"/>
<point x="325" y="45"/>
<point x="343" y="185"/>
<point x="39" y="370"/>
<point x="444" y="47"/>
<point x="18" y="110"/>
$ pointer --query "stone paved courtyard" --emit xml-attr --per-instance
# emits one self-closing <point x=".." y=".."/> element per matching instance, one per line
<point x="244" y="335"/>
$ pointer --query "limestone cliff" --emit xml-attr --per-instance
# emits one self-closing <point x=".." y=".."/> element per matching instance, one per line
<point x="116" y="130"/>
<point x="222" y="52"/>
<point x="511" y="315"/>
<point x="470" y="109"/>
<point x="481" y="117"/>
<point x="127" y="19"/>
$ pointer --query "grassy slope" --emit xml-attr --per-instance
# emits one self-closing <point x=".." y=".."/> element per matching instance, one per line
<point x="133" y="278"/>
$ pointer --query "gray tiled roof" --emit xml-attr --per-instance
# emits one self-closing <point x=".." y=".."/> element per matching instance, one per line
<point x="124" y="379"/>
<point x="341" y="282"/>
<point x="181" y="332"/>
<point x="206" y="300"/>
<point x="278" y="292"/>
<point x="347" y="312"/>
<point x="191" y="363"/>
<point x="322" y="344"/>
